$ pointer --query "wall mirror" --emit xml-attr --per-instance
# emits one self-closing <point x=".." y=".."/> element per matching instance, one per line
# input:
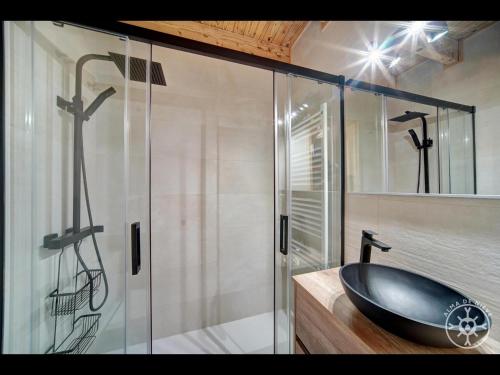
<point x="434" y="130"/>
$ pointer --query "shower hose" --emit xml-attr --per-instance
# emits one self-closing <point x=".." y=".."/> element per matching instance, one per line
<point x="96" y="247"/>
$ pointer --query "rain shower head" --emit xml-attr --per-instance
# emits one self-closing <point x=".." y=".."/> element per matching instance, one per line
<point x="137" y="69"/>
<point x="408" y="116"/>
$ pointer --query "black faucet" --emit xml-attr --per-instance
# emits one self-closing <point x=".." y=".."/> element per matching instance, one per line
<point x="367" y="241"/>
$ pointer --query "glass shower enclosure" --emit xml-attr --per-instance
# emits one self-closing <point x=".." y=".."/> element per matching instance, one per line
<point x="158" y="200"/>
<point x="76" y="186"/>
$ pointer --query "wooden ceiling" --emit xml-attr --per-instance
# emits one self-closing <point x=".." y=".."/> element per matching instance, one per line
<point x="271" y="39"/>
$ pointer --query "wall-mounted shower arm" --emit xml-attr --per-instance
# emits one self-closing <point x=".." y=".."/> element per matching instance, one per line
<point x="79" y="70"/>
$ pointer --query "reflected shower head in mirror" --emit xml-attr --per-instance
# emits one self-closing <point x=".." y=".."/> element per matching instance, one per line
<point x="137" y="69"/>
<point x="426" y="143"/>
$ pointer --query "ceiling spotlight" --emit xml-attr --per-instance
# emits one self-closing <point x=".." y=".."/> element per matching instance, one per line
<point x="305" y="105"/>
<point x="294" y="114"/>
<point x="374" y="55"/>
<point x="416" y="27"/>
<point x="395" y="62"/>
<point x="301" y="108"/>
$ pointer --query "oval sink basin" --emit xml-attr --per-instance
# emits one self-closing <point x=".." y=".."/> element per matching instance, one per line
<point x="407" y="304"/>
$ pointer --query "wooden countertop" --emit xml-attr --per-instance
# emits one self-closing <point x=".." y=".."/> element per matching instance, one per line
<point x="330" y="323"/>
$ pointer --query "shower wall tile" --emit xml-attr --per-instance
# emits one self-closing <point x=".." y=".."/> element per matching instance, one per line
<point x="245" y="144"/>
<point x="244" y="210"/>
<point x="454" y="240"/>
<point x="212" y="193"/>
<point x="183" y="175"/>
<point x="187" y="132"/>
<point x="244" y="257"/>
<point x="246" y="177"/>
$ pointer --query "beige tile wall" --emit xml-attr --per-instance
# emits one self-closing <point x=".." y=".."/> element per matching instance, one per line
<point x="212" y="184"/>
<point x="454" y="240"/>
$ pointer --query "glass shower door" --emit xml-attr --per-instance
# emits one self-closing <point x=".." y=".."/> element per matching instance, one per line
<point x="308" y="173"/>
<point x="68" y="204"/>
<point x="212" y="206"/>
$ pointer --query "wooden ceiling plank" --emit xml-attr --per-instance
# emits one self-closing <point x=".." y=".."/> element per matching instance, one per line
<point x="265" y="26"/>
<point x="281" y="32"/>
<point x="240" y="27"/>
<point x="298" y="32"/>
<point x="271" y="31"/>
<point x="215" y="36"/>
<point x="248" y="25"/>
<point x="292" y="30"/>
<point x="253" y="28"/>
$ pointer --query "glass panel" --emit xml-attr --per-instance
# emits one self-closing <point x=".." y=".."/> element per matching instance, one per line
<point x="282" y="274"/>
<point x="308" y="175"/>
<point x="212" y="191"/>
<point x="365" y="141"/>
<point x="48" y="291"/>
<point x="461" y="152"/>
<point x="314" y="175"/>
<point x="138" y="285"/>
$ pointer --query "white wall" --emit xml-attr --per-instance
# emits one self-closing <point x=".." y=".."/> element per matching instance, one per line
<point x="212" y="193"/>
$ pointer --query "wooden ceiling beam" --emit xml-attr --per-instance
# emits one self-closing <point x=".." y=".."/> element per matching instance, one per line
<point x="206" y="33"/>
<point x="445" y="50"/>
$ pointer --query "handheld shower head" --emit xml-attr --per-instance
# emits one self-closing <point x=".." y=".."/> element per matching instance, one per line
<point x="415" y="139"/>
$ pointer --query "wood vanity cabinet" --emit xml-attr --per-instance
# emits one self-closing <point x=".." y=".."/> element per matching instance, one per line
<point x="326" y="322"/>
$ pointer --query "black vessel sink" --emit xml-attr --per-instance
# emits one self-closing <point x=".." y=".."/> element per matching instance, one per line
<point x="407" y="304"/>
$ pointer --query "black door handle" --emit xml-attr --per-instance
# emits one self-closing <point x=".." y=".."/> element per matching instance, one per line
<point x="136" y="247"/>
<point x="284" y="234"/>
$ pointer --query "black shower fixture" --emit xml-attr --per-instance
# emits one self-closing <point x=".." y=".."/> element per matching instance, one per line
<point x="137" y="69"/>
<point x="425" y="145"/>
<point x="74" y="236"/>
<point x="415" y="139"/>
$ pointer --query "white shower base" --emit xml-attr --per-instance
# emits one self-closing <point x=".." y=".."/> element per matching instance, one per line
<point x="249" y="335"/>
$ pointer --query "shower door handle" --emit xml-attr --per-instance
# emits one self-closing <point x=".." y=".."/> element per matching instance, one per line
<point x="284" y="234"/>
<point x="135" y="235"/>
